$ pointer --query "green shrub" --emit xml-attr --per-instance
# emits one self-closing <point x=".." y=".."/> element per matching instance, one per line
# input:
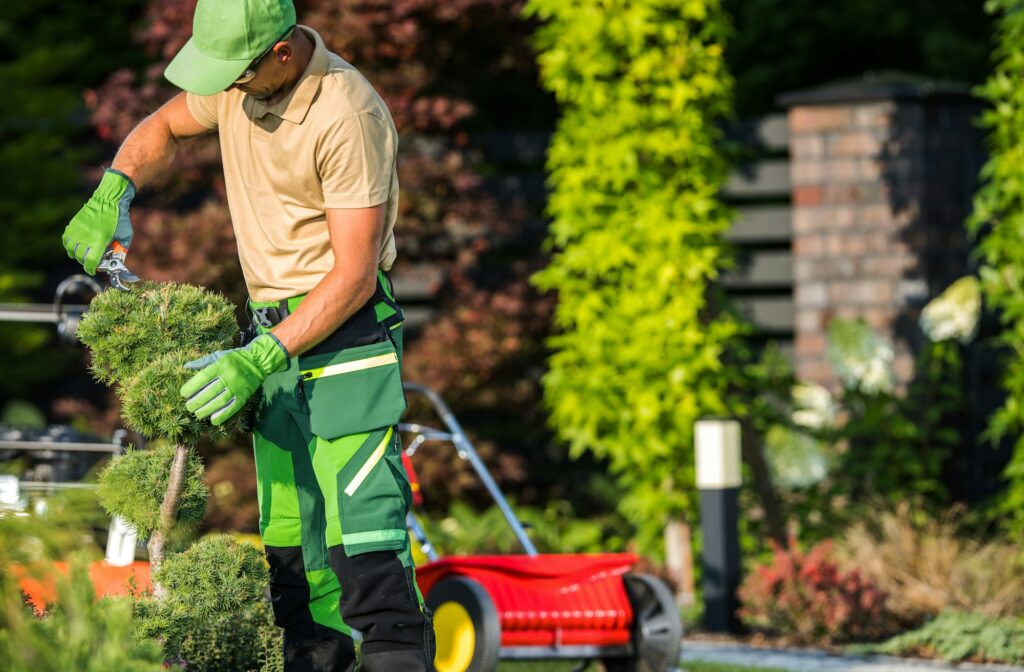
<point x="997" y="219"/>
<point x="837" y="459"/>
<point x="152" y="405"/>
<point x="139" y="341"/>
<point x="636" y="167"/>
<point x="79" y="632"/>
<point x="896" y="442"/>
<point x="214" y="617"/>
<point x="217" y="574"/>
<point x="957" y="636"/>
<point x="133" y="486"/>
<point x="125" y="331"/>
<point x="208" y="607"/>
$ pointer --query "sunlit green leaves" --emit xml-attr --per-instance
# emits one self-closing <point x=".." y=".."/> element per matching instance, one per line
<point x="998" y="221"/>
<point x="635" y="167"/>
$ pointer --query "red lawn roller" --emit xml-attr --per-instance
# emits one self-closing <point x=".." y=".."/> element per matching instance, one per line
<point x="537" y="606"/>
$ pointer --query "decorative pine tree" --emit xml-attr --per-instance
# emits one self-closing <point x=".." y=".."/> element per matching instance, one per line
<point x="139" y="341"/>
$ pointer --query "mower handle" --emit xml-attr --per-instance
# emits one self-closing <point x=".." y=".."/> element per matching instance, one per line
<point x="458" y="438"/>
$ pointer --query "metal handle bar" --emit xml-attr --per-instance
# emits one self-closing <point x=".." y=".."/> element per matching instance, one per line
<point x="64" y="315"/>
<point x="36" y="312"/>
<point x="116" y="445"/>
<point x="58" y="446"/>
<point x="458" y="438"/>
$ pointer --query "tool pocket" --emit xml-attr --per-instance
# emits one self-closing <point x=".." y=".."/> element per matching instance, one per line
<point x="353" y="390"/>
<point x="374" y="495"/>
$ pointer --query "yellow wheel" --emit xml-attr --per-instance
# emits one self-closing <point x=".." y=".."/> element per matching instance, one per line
<point x="466" y="626"/>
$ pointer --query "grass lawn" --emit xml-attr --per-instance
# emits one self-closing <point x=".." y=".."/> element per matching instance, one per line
<point x="561" y="666"/>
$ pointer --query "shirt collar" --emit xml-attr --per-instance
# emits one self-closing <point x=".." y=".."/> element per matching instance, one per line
<point x="295" y="105"/>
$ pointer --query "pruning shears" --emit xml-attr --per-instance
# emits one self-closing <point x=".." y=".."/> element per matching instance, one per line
<point x="112" y="263"/>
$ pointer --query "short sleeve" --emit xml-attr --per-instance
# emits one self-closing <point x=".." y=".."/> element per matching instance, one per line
<point x="355" y="160"/>
<point x="203" y="109"/>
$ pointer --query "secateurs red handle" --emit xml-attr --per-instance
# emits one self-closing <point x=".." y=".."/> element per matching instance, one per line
<point x="112" y="264"/>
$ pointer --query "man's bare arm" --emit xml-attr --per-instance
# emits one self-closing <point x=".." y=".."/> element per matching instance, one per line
<point x="356" y="235"/>
<point x="150" y="147"/>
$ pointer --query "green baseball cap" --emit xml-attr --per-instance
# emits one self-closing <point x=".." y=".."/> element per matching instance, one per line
<point x="227" y="35"/>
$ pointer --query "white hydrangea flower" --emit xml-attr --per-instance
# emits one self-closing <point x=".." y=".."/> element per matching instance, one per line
<point x="795" y="459"/>
<point x="860" y="356"/>
<point x="815" y="408"/>
<point x="954" y="313"/>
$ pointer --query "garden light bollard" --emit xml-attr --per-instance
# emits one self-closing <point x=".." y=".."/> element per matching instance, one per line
<point x="717" y="444"/>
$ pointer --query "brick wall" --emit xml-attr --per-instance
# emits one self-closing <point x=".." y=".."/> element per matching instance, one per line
<point x="882" y="175"/>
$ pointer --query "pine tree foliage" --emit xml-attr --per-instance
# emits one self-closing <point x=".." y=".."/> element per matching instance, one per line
<point x="126" y="331"/>
<point x="217" y="574"/>
<point x="636" y="168"/>
<point x="133" y="486"/>
<point x="140" y="340"/>
<point x="998" y="220"/>
<point x="152" y="405"/>
<point x="214" y="617"/>
<point x="78" y="631"/>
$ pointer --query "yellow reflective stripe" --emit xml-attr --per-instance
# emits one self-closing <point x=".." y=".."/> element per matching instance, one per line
<point x="375" y="457"/>
<point x="349" y="367"/>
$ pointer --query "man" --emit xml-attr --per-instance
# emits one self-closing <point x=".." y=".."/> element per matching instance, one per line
<point x="309" y="153"/>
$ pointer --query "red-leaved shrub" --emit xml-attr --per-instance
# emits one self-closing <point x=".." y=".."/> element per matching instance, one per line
<point x="808" y="598"/>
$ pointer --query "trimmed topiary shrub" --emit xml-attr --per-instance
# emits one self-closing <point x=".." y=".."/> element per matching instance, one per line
<point x="208" y="608"/>
<point x="214" y="617"/>
<point x="134" y="484"/>
<point x="126" y="331"/>
<point x="140" y="341"/>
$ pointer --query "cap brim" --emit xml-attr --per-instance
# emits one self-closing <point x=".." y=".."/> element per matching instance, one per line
<point x="203" y="75"/>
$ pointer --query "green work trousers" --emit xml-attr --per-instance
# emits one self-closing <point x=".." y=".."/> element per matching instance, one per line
<point x="333" y="502"/>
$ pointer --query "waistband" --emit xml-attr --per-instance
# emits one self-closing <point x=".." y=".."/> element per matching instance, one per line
<point x="271" y="313"/>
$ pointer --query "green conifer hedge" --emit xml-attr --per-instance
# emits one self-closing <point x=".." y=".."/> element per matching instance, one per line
<point x="636" y="167"/>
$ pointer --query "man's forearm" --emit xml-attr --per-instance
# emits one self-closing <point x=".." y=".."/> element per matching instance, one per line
<point x="147" y="151"/>
<point x="335" y="299"/>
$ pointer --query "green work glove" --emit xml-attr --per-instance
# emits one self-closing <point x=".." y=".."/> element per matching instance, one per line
<point x="102" y="220"/>
<point x="227" y="378"/>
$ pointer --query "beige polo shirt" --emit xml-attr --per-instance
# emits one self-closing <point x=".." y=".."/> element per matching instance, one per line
<point x="330" y="144"/>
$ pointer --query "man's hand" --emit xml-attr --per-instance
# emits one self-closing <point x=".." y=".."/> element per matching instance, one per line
<point x="102" y="220"/>
<point x="227" y="378"/>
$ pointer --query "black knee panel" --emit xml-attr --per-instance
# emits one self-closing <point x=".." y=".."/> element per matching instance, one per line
<point x="308" y="646"/>
<point x="289" y="590"/>
<point x="378" y="598"/>
<point x="329" y="652"/>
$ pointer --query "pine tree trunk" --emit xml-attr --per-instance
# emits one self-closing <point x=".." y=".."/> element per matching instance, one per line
<point x="168" y="513"/>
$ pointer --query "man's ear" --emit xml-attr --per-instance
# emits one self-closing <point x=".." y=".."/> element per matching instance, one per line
<point x="283" y="52"/>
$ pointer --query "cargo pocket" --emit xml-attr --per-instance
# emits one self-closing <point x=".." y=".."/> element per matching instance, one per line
<point x="354" y="390"/>
<point x="374" y="496"/>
